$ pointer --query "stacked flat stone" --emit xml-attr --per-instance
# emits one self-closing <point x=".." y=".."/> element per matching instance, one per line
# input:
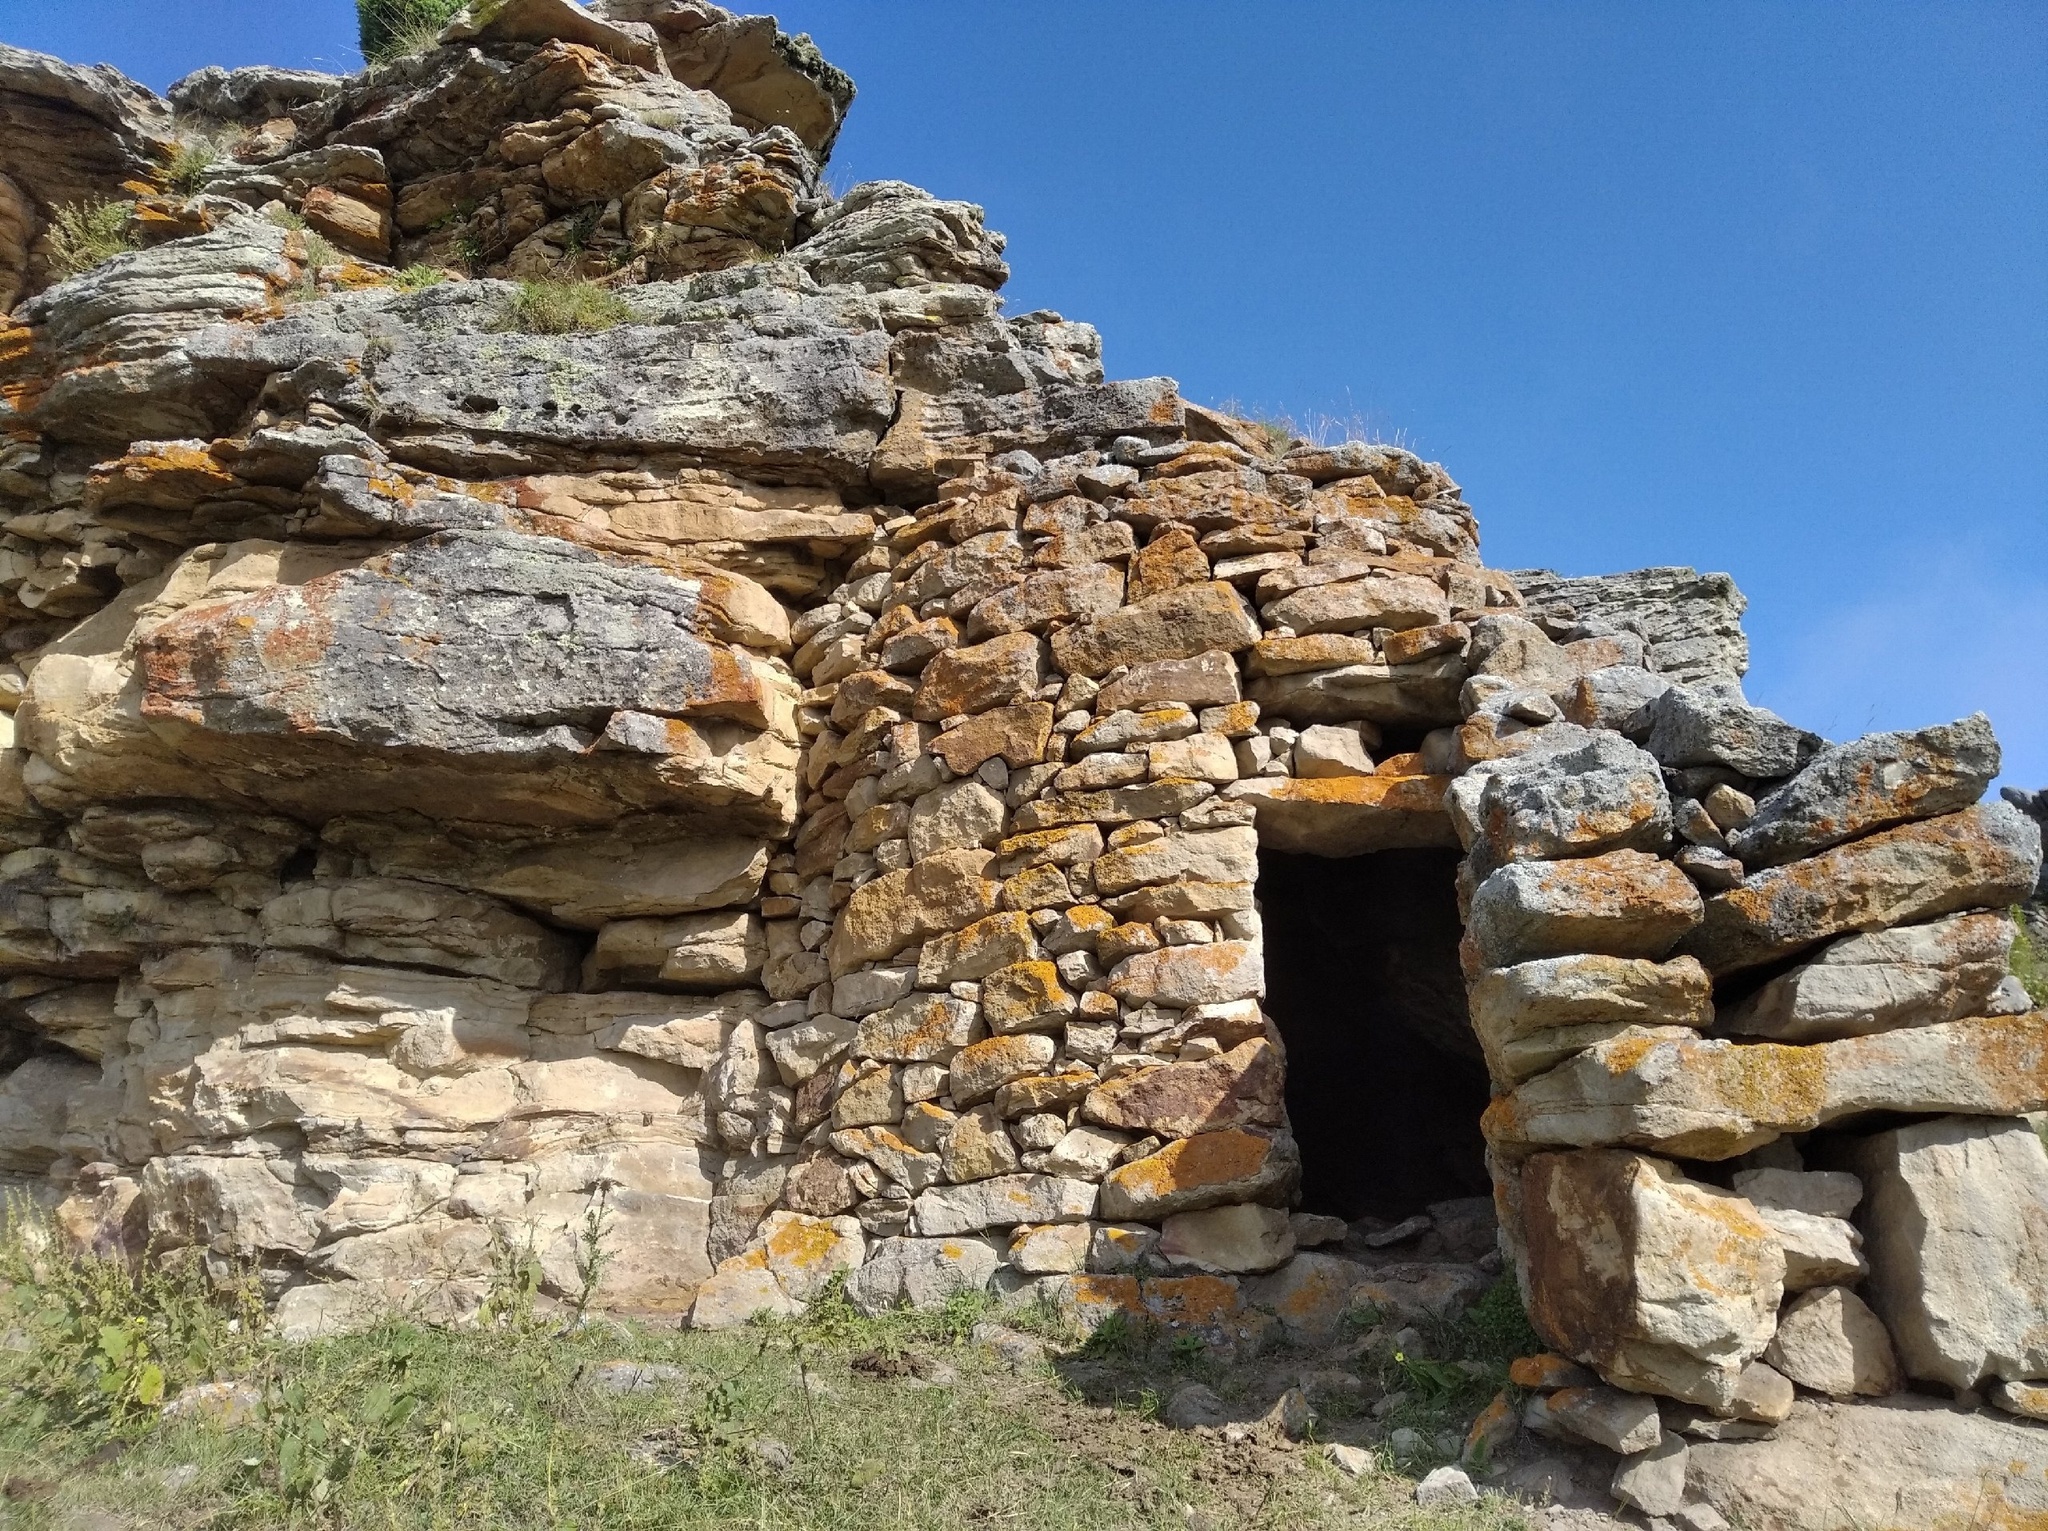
<point x="1051" y="718"/>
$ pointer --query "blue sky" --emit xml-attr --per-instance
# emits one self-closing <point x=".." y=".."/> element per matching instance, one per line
<point x="1755" y="287"/>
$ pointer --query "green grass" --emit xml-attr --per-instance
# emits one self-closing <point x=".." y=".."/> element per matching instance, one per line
<point x="831" y="1422"/>
<point x="88" y="234"/>
<point x="561" y="308"/>
<point x="419" y="278"/>
<point x="394" y="29"/>
<point x="189" y="163"/>
<point x="2028" y="965"/>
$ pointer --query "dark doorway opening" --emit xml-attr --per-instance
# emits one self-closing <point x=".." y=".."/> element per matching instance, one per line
<point x="1385" y="1082"/>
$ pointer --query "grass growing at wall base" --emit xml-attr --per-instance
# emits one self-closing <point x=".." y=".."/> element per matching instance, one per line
<point x="831" y="1422"/>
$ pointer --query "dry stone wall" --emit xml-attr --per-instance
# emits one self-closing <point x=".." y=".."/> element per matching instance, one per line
<point x="782" y="780"/>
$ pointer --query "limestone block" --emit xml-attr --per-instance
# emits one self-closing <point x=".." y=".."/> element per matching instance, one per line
<point x="1241" y="1088"/>
<point x="1606" y="795"/>
<point x="873" y="1097"/>
<point x="1395" y="601"/>
<point x="1214" y="855"/>
<point x="999" y="673"/>
<point x="686" y="1032"/>
<point x="1622" y="904"/>
<point x="982" y="1068"/>
<point x="1178" y="624"/>
<point x="1606" y="1416"/>
<point x="1986" y="856"/>
<point x="1912" y="976"/>
<point x="1348" y="815"/>
<point x="1229" y="1240"/>
<point x="1653" y="1482"/>
<point x="921" y="1273"/>
<point x="702" y="952"/>
<point x="1127" y="731"/>
<point x="1818" y="1193"/>
<point x="1707" y="726"/>
<point x="1117" y="805"/>
<point x="979" y="949"/>
<point x="1711" y="1099"/>
<point x="799" y="1051"/>
<point x="242" y="1208"/>
<point x="646" y="866"/>
<point x="1956" y="1222"/>
<point x="960" y="815"/>
<point x="859" y="994"/>
<point x="1015" y="735"/>
<point x="1830" y="1341"/>
<point x="1026" y="996"/>
<point x="1899" y="1461"/>
<point x="1583" y="990"/>
<point x="1086" y="1152"/>
<point x="1034" y="603"/>
<point x="1200" y="757"/>
<point x="1663" y="1284"/>
<point x="416" y="924"/>
<point x="1059" y="1249"/>
<point x="1819" y="1251"/>
<point x="921" y="1028"/>
<point x="689" y="724"/>
<point x="1880" y="780"/>
<point x="1327" y="750"/>
<point x="942" y="893"/>
<point x="1003" y="1202"/>
<point x="1179" y="976"/>
<point x="1207" y="1169"/>
<point x="978" y="1147"/>
<point x="1419" y="695"/>
<point x="1201" y="680"/>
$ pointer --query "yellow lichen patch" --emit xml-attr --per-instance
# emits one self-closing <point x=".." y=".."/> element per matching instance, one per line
<point x="1192" y="1302"/>
<point x="1205" y="1160"/>
<point x="805" y="1244"/>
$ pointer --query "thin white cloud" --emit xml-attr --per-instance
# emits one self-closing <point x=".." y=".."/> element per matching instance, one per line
<point x="1957" y="633"/>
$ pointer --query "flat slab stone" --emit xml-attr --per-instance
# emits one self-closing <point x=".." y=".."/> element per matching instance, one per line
<point x="1709" y="1099"/>
<point x="1903" y="1461"/>
<point x="1347" y="815"/>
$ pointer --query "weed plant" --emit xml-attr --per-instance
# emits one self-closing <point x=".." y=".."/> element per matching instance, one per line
<point x="395" y="29"/>
<point x="2028" y="964"/>
<point x="88" y="234"/>
<point x="555" y="307"/>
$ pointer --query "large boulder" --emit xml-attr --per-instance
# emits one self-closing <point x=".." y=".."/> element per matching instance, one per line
<point x="1904" y="1461"/>
<point x="1875" y="782"/>
<point x="1983" y="857"/>
<point x="1706" y="1098"/>
<point x="1915" y="975"/>
<point x="481" y="676"/>
<point x="1956" y="1224"/>
<point x="1664" y="1284"/>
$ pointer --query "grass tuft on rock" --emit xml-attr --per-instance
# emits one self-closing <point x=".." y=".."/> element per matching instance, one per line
<point x="563" y="308"/>
<point x="395" y="29"/>
<point x="88" y="234"/>
<point x="2028" y="964"/>
<point x="189" y="163"/>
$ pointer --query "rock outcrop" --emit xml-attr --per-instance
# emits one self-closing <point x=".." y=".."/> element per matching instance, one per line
<point x="775" y="765"/>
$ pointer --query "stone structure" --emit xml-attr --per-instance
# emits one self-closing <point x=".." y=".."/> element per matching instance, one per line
<point x="789" y="775"/>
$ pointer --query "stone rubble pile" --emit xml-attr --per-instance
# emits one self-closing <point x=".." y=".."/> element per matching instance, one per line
<point x="783" y="779"/>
